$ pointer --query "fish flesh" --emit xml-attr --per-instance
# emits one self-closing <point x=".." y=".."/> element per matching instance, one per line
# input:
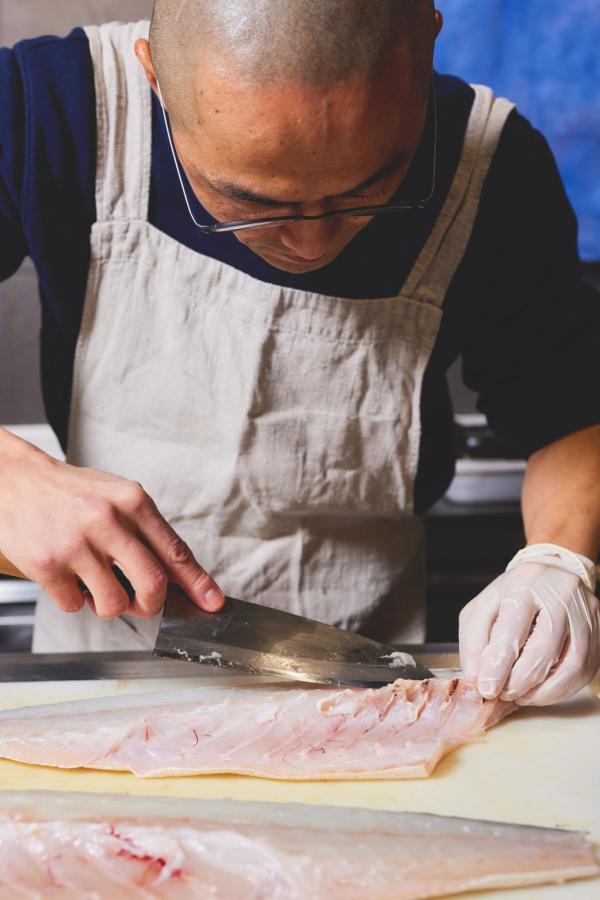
<point x="112" y="846"/>
<point x="398" y="731"/>
<point x="105" y="847"/>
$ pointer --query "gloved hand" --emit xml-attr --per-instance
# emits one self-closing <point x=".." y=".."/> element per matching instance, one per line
<point x="533" y="635"/>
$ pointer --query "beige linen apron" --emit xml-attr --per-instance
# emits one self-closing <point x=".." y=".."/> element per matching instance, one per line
<point x="277" y="430"/>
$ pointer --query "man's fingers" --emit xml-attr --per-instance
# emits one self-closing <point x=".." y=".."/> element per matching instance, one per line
<point x="145" y="574"/>
<point x="580" y="657"/>
<point x="541" y="652"/>
<point x="568" y="677"/>
<point x="474" y="627"/>
<point x="509" y="633"/>
<point x="66" y="593"/>
<point x="190" y="576"/>
<point x="107" y="598"/>
<point x="179" y="561"/>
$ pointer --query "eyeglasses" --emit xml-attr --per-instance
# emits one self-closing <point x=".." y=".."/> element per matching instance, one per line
<point x="276" y="221"/>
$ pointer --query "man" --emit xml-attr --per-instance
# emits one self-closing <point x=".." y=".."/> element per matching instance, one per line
<point x="279" y="390"/>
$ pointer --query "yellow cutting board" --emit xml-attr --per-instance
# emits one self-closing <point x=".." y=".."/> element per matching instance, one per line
<point x="540" y="767"/>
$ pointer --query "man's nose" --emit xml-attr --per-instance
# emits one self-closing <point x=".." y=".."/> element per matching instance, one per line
<point x="309" y="240"/>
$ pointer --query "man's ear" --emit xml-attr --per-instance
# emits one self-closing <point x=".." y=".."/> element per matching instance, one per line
<point x="439" y="22"/>
<point x="142" y="51"/>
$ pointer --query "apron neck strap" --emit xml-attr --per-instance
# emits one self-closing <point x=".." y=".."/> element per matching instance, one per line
<point x="124" y="122"/>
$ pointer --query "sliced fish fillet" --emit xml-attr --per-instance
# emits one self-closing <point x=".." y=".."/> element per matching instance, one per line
<point x="397" y="731"/>
<point x="110" y="847"/>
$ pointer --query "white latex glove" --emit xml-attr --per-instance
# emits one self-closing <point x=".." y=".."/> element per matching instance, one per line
<point x="533" y="635"/>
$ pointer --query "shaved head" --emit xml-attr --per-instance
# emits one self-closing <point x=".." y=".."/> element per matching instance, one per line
<point x="314" y="43"/>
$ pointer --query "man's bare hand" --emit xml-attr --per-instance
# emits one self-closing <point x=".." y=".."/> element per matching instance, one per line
<point x="62" y="525"/>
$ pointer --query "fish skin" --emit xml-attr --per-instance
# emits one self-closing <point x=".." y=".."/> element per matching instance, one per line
<point x="55" y="845"/>
<point x="397" y="731"/>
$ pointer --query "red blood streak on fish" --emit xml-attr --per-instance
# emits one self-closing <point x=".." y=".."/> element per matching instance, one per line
<point x="155" y="861"/>
<point x="155" y="864"/>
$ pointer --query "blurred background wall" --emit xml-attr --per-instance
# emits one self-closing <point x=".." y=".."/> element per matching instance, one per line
<point x="545" y="56"/>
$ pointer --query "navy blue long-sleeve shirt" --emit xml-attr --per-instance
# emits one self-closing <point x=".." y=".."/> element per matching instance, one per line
<point x="526" y="326"/>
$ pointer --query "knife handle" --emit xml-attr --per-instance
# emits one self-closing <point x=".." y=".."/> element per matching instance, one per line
<point x="7" y="568"/>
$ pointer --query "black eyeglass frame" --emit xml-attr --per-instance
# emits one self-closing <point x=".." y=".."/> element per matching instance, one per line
<point x="276" y="221"/>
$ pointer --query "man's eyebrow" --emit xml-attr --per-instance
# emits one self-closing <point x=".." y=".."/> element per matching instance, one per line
<point x="384" y="171"/>
<point x="237" y="192"/>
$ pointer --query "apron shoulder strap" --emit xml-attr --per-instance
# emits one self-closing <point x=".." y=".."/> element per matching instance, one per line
<point x="442" y="254"/>
<point x="124" y="122"/>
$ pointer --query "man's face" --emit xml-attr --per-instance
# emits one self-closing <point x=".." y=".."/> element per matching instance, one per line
<point x="257" y="152"/>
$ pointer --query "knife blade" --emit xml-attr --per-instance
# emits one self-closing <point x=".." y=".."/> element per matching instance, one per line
<point x="259" y="640"/>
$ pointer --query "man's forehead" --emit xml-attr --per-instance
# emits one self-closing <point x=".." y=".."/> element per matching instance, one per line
<point x="267" y="118"/>
<point x="280" y="171"/>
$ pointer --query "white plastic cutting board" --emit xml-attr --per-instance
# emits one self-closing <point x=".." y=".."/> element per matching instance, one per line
<point x="540" y="767"/>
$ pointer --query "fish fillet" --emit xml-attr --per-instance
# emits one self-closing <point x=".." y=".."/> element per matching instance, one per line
<point x="398" y="731"/>
<point x="110" y="847"/>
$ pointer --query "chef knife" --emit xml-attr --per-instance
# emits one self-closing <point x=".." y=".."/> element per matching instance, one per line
<point x="260" y="640"/>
